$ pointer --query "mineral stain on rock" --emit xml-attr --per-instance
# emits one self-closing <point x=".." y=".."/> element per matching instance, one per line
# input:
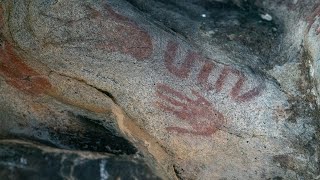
<point x="82" y="149"/>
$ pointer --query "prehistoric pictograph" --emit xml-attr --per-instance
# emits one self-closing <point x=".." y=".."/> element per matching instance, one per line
<point x="198" y="112"/>
<point x="125" y="36"/>
<point x="20" y="75"/>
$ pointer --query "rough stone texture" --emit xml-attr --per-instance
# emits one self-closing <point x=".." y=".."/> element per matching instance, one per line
<point x="203" y="89"/>
<point x="20" y="160"/>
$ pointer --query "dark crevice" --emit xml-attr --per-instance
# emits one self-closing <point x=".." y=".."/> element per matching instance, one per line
<point x="84" y="134"/>
<point x="107" y="94"/>
<point x="107" y="141"/>
<point x="177" y="172"/>
<point x="29" y="161"/>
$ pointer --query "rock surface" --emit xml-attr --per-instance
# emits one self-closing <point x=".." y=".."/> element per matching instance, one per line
<point x="203" y="89"/>
<point x="21" y="160"/>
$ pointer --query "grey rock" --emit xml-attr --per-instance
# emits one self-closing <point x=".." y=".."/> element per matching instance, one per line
<point x="204" y="89"/>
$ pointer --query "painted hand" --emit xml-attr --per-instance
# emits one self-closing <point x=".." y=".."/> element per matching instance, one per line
<point x="198" y="113"/>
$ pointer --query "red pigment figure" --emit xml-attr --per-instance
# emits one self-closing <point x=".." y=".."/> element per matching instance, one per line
<point x="170" y="56"/>
<point x="124" y="35"/>
<point x="204" y="74"/>
<point x="199" y="113"/>
<point x="184" y="70"/>
<point x="235" y="91"/>
<point x="20" y="75"/>
<point x="312" y="18"/>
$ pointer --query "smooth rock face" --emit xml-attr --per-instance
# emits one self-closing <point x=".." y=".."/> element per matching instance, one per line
<point x="204" y="89"/>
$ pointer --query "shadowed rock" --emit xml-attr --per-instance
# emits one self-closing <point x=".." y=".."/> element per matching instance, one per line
<point x="204" y="89"/>
<point x="24" y="160"/>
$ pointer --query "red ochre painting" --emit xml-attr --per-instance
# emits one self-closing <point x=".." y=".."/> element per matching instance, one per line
<point x="124" y="36"/>
<point x="20" y="75"/>
<point x="198" y="112"/>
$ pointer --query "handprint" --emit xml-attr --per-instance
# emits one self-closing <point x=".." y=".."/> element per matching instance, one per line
<point x="109" y="30"/>
<point x="124" y="36"/>
<point x="198" y="113"/>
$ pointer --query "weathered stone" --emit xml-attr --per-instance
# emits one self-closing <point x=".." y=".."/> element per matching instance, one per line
<point x="204" y="89"/>
<point x="23" y="160"/>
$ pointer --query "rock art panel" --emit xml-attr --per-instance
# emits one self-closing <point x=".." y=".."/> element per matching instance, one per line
<point x="107" y="30"/>
<point x="125" y="37"/>
<point x="198" y="113"/>
<point x="184" y="70"/>
<point x="235" y="91"/>
<point x="198" y="108"/>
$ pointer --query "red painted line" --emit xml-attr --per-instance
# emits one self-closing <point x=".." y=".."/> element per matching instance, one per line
<point x="236" y="89"/>
<point x="204" y="74"/>
<point x="170" y="55"/>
